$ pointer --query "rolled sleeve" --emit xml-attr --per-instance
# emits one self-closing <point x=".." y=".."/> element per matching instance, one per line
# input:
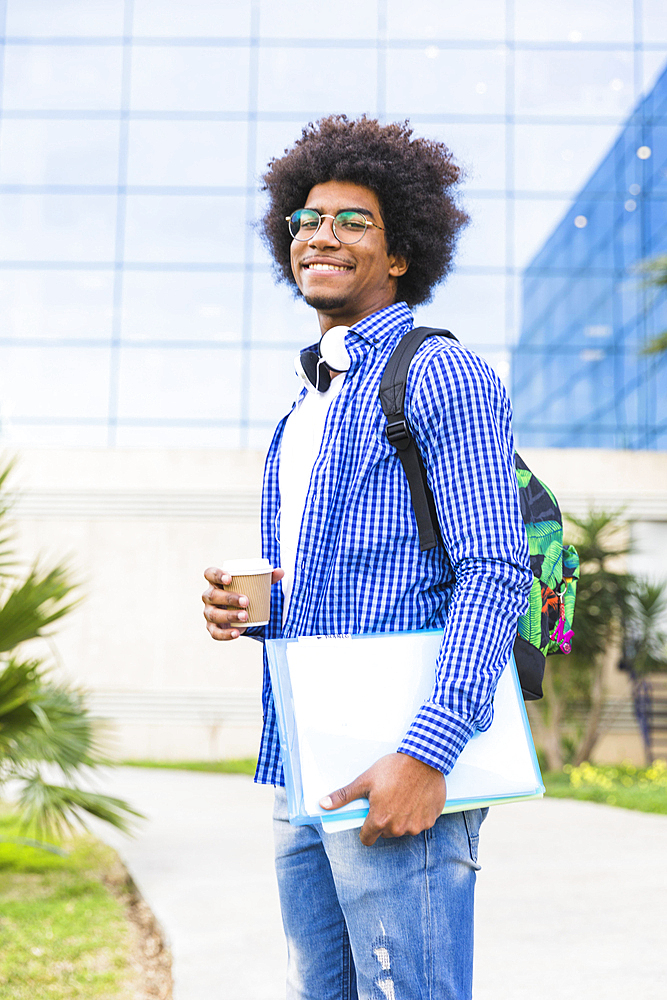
<point x="436" y="737"/>
<point x="461" y="419"/>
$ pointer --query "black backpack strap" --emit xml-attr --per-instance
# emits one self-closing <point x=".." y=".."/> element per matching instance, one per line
<point x="392" y="400"/>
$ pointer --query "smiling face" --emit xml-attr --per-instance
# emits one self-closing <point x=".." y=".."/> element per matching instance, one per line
<point x="345" y="282"/>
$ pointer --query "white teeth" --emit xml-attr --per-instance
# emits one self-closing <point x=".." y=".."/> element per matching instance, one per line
<point x="325" y="267"/>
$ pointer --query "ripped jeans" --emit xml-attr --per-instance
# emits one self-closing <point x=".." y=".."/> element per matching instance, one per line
<point x="389" y="922"/>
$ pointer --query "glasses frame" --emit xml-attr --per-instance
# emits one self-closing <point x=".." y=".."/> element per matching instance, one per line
<point x="322" y="216"/>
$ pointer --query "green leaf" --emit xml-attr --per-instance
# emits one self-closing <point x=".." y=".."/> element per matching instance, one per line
<point x="655" y="272"/>
<point x="57" y="809"/>
<point x="30" y="607"/>
<point x="657" y="345"/>
<point x="7" y="560"/>
<point x="43" y="722"/>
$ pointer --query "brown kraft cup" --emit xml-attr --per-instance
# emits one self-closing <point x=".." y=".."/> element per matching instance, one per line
<point x="251" y="577"/>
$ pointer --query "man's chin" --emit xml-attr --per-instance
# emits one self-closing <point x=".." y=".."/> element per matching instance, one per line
<point x="325" y="303"/>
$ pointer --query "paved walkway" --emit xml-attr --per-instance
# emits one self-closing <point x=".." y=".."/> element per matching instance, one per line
<point x="571" y="901"/>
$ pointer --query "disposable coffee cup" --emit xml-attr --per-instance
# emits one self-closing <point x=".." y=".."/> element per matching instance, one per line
<point x="251" y="577"/>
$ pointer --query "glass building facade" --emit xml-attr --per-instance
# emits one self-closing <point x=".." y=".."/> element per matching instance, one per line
<point x="580" y="374"/>
<point x="137" y="305"/>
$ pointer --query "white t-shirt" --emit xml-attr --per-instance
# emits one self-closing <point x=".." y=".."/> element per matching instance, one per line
<point x="299" y="448"/>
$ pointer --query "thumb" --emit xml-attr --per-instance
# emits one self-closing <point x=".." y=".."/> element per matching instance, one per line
<point x="357" y="789"/>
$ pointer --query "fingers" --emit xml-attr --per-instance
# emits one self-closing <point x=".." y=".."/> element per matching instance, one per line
<point x="369" y="832"/>
<point x="224" y="634"/>
<point x="224" y="610"/>
<point x="225" y="623"/>
<point x="405" y="796"/>
<point x="215" y="596"/>
<point x="357" y="789"/>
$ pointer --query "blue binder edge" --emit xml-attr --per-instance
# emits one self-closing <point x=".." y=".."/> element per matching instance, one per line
<point x="276" y="650"/>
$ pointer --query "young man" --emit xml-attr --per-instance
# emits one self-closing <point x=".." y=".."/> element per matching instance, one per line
<point x="362" y="222"/>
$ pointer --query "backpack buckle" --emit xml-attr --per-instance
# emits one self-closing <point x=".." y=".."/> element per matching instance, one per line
<point x="398" y="434"/>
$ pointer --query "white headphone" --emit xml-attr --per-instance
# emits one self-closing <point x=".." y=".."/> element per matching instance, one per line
<point x="332" y="354"/>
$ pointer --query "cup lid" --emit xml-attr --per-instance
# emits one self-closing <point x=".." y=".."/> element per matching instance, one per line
<point x="246" y="567"/>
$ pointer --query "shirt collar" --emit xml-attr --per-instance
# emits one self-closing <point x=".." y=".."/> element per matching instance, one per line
<point x="375" y="327"/>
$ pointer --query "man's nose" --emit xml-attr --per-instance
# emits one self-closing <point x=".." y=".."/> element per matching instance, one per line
<point x="325" y="236"/>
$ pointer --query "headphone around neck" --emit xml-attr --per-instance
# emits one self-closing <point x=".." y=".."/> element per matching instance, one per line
<point x="314" y="366"/>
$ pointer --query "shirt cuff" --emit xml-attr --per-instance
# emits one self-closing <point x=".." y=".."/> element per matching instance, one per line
<point x="255" y="632"/>
<point x="436" y="737"/>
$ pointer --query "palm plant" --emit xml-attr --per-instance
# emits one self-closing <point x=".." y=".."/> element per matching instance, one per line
<point x="45" y="728"/>
<point x="645" y="651"/>
<point x="656" y="277"/>
<point x="568" y="722"/>
<point x="645" y="647"/>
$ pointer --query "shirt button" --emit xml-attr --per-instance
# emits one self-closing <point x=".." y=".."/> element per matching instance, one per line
<point x="303" y="564"/>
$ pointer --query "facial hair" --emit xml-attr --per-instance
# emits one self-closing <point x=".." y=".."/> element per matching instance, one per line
<point x="325" y="303"/>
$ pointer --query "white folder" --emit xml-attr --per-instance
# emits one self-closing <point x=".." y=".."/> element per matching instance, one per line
<point x="342" y="702"/>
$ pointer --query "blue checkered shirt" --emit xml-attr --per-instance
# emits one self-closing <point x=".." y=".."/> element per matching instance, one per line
<point x="359" y="567"/>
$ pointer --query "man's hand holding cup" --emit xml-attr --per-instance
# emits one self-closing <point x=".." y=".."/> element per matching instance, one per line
<point x="239" y="596"/>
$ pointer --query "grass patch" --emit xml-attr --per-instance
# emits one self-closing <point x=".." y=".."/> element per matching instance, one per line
<point x="245" y="765"/>
<point x="64" y="930"/>
<point x="623" y="785"/>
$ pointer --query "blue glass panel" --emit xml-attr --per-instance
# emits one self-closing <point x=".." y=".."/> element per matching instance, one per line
<point x="559" y="157"/>
<point x="60" y="305"/>
<point x="654" y="20"/>
<point x="180" y="78"/>
<point x="54" y="382"/>
<point x="188" y="153"/>
<point x="452" y="81"/>
<point x="653" y="67"/>
<point x="295" y="19"/>
<point x="179" y="384"/>
<point x="534" y="221"/>
<point x="321" y="81"/>
<point x="259" y="438"/>
<point x="273" y="138"/>
<point x="273" y="384"/>
<point x="39" y="18"/>
<point x="479" y="150"/>
<point x="58" y="152"/>
<point x="196" y="19"/>
<point x="137" y="435"/>
<point x="471" y="306"/>
<point x="65" y="77"/>
<point x="186" y="228"/>
<point x="477" y="19"/>
<point x="573" y="21"/>
<point x="574" y="83"/>
<point x="655" y="170"/>
<point x="482" y="243"/>
<point x="277" y="316"/>
<point x="182" y="305"/>
<point x="57" y="227"/>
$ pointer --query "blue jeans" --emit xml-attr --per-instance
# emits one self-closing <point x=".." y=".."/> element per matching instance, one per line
<point x="389" y="922"/>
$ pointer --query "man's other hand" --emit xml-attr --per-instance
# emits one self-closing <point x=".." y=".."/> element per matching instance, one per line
<point x="224" y="611"/>
<point x="404" y="794"/>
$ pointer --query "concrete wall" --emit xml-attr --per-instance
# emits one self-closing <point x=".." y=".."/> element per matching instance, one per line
<point x="139" y="528"/>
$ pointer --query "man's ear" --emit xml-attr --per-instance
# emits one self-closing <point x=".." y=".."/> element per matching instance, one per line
<point x="398" y="265"/>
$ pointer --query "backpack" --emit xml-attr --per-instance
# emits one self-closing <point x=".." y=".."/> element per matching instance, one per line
<point x="546" y="627"/>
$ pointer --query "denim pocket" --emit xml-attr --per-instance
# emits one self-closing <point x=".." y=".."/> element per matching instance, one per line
<point x="473" y="820"/>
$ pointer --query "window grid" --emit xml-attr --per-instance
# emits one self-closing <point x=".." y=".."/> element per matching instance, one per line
<point x="252" y="334"/>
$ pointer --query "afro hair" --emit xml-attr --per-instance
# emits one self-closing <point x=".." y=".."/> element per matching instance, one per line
<point x="414" y="180"/>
